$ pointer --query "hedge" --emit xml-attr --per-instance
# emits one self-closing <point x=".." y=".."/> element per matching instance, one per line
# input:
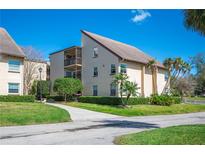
<point x="55" y="98"/>
<point x="112" y="100"/>
<point x="164" y="100"/>
<point x="13" y="98"/>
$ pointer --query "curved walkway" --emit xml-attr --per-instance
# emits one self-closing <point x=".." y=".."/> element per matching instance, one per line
<point x="89" y="127"/>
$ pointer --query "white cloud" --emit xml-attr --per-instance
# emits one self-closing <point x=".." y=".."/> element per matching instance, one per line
<point x="140" y="15"/>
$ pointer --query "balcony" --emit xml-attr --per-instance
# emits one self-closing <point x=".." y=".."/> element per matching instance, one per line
<point x="74" y="74"/>
<point x="73" y="61"/>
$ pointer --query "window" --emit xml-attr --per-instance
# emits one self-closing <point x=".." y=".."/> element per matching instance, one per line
<point x="113" y="69"/>
<point x="95" y="90"/>
<point x="123" y="68"/>
<point x="13" y="88"/>
<point x="112" y="89"/>
<point x="95" y="72"/>
<point x="95" y="52"/>
<point x="14" y="65"/>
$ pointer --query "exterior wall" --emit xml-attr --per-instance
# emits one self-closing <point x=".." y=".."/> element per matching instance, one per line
<point x="161" y="80"/>
<point x="56" y="66"/>
<point x="31" y="73"/>
<point x="148" y="82"/>
<point x="10" y="77"/>
<point x="103" y="62"/>
<point x="134" y="73"/>
<point x="36" y="66"/>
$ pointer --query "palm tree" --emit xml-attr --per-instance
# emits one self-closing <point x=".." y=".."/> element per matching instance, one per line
<point x="195" y="19"/>
<point x="175" y="68"/>
<point x="131" y="89"/>
<point x="120" y="79"/>
<point x="152" y="65"/>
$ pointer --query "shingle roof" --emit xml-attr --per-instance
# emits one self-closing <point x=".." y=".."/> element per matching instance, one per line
<point x="8" y="45"/>
<point x="122" y="50"/>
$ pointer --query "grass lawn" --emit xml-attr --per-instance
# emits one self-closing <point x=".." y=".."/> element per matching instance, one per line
<point x="177" y="135"/>
<point x="140" y="110"/>
<point x="196" y="98"/>
<point x="30" y="113"/>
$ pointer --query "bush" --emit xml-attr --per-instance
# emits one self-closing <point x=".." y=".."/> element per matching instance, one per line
<point x="138" y="100"/>
<point x="67" y="87"/>
<point x="13" y="98"/>
<point x="56" y="98"/>
<point x="44" y="88"/>
<point x="112" y="100"/>
<point x="164" y="100"/>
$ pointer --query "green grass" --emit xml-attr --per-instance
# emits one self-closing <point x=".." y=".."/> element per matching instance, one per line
<point x="196" y="98"/>
<point x="177" y="135"/>
<point x="30" y="113"/>
<point x="140" y="110"/>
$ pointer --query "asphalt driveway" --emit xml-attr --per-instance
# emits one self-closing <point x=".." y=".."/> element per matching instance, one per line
<point x="89" y="127"/>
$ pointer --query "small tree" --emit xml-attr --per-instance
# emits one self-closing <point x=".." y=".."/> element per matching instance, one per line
<point x="67" y="87"/>
<point x="43" y="88"/>
<point x="131" y="88"/>
<point x="120" y="79"/>
<point x="125" y="86"/>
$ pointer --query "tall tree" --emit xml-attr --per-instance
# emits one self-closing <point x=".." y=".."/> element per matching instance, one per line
<point x="195" y="20"/>
<point x="176" y="68"/>
<point x="30" y="68"/>
<point x="198" y="63"/>
<point x="152" y="65"/>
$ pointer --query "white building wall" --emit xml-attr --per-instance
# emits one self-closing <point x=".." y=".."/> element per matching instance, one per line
<point x="134" y="73"/>
<point x="10" y="77"/>
<point x="103" y="62"/>
<point x="161" y="80"/>
<point x="56" y="66"/>
<point x="147" y="82"/>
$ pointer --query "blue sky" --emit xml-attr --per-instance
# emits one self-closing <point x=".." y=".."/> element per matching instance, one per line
<point x="159" y="33"/>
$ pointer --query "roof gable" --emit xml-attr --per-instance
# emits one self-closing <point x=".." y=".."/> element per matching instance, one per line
<point x="122" y="50"/>
<point x="8" y="45"/>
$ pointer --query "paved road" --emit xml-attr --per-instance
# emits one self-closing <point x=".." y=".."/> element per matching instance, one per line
<point x="90" y="127"/>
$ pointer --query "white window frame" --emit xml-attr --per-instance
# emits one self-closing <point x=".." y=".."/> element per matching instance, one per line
<point x="14" y="67"/>
<point x="95" y="88"/>
<point x="18" y="84"/>
<point x="125" y="68"/>
<point x="95" y="52"/>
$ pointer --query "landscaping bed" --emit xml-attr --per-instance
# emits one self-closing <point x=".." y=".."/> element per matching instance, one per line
<point x="176" y="135"/>
<point x="140" y="110"/>
<point x="18" y="113"/>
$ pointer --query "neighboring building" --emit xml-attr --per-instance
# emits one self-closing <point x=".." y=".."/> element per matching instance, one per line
<point x="66" y="63"/>
<point x="15" y="69"/>
<point x="11" y="65"/>
<point x="101" y="59"/>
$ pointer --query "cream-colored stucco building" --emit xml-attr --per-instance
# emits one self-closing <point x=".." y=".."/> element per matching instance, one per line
<point x="11" y="65"/>
<point x="14" y="67"/>
<point x="99" y="59"/>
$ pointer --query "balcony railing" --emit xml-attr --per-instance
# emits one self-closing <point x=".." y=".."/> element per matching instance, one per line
<point x="71" y="61"/>
<point x="73" y="74"/>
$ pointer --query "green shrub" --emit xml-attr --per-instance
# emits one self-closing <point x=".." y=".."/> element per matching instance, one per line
<point x="164" y="100"/>
<point x="56" y="98"/>
<point x="112" y="100"/>
<point x="13" y="98"/>
<point x="43" y="87"/>
<point x="138" y="100"/>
